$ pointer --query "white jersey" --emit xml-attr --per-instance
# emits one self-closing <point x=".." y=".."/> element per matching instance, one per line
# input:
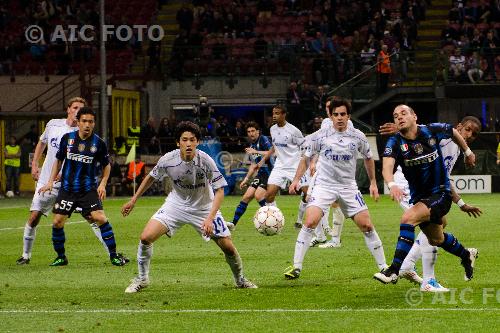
<point x="328" y="123"/>
<point x="52" y="135"/>
<point x="193" y="182"/>
<point x="338" y="154"/>
<point x="287" y="141"/>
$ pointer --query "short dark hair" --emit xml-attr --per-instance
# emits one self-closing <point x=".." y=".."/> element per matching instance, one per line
<point x="252" y="124"/>
<point x="280" y="107"/>
<point x="187" y="126"/>
<point x="338" y="101"/>
<point x="85" y="110"/>
<point x="471" y="119"/>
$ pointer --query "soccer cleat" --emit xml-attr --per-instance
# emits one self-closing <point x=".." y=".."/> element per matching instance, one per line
<point x="60" y="261"/>
<point x="469" y="264"/>
<point x="244" y="283"/>
<point x="331" y="244"/>
<point x="387" y="275"/>
<point x="292" y="273"/>
<point x="23" y="261"/>
<point x="127" y="260"/>
<point x="231" y="226"/>
<point x="433" y="286"/>
<point x="411" y="276"/>
<point x="315" y="241"/>
<point x="118" y="260"/>
<point x="298" y="225"/>
<point x="136" y="285"/>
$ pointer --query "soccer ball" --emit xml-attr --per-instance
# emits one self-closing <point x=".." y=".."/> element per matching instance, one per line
<point x="9" y="194"/>
<point x="269" y="220"/>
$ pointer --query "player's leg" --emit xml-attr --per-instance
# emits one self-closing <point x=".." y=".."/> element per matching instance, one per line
<point x="260" y="194"/>
<point x="372" y="240"/>
<point x="302" y="207"/>
<point x="58" y="240"/>
<point x="233" y="259"/>
<point x="29" y="236"/>
<point x="242" y="206"/>
<point x="338" y="219"/>
<point x="272" y="190"/>
<point x="407" y="270"/>
<point x="277" y="179"/>
<point x="153" y="230"/>
<point x="321" y="231"/>
<point x="107" y="236"/>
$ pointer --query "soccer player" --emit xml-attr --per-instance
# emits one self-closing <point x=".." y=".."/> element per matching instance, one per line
<point x="41" y="205"/>
<point x="258" y="172"/>
<point x="416" y="149"/>
<point x="195" y="199"/>
<point x="81" y="151"/>
<point x="334" y="180"/>
<point x="469" y="129"/>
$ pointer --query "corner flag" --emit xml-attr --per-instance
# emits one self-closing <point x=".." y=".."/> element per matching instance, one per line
<point x="131" y="155"/>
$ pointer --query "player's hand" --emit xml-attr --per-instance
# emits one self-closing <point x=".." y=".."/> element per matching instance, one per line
<point x="46" y="188"/>
<point x="58" y="177"/>
<point x="470" y="160"/>
<point x="128" y="207"/>
<point x="388" y="129"/>
<point x="293" y="188"/>
<point x="35" y="172"/>
<point x="374" y="192"/>
<point x="396" y="193"/>
<point x="101" y="191"/>
<point x="207" y="227"/>
<point x="471" y="210"/>
<point x="251" y="151"/>
<point x="243" y="184"/>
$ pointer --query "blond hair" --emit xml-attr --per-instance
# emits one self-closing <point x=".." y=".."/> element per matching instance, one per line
<point x="77" y="100"/>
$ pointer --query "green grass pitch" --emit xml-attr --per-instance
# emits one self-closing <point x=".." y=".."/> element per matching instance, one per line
<point x="192" y="288"/>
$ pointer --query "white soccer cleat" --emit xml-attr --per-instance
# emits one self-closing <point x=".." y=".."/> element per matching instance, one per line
<point x="433" y="286"/>
<point x="469" y="265"/>
<point x="244" y="283"/>
<point x="136" y="285"/>
<point x="315" y="241"/>
<point x="331" y="244"/>
<point x="231" y="226"/>
<point x="411" y="276"/>
<point x="387" y="275"/>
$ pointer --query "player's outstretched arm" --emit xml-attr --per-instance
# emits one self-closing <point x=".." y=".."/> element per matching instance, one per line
<point x="101" y="190"/>
<point x="388" y="129"/>
<point x="370" y="170"/>
<point x="470" y="157"/>
<point x="207" y="226"/>
<point x="387" y="169"/>
<point x="145" y="184"/>
<point x="301" y="169"/>
<point x="35" y="170"/>
<point x="53" y="175"/>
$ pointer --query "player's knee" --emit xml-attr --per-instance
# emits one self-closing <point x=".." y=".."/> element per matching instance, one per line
<point x="58" y="224"/>
<point x="408" y="218"/>
<point x="146" y="239"/>
<point x="365" y="226"/>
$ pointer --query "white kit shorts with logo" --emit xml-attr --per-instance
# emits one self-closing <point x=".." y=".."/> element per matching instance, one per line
<point x="350" y="200"/>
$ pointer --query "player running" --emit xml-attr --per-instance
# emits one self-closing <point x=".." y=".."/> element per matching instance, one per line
<point x="258" y="172"/>
<point x="469" y="129"/>
<point x="195" y="178"/>
<point x="81" y="151"/>
<point x="416" y="149"/>
<point x="41" y="205"/>
<point x="334" y="180"/>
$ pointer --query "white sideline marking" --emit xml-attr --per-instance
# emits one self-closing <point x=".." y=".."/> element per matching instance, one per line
<point x="252" y="310"/>
<point x="42" y="225"/>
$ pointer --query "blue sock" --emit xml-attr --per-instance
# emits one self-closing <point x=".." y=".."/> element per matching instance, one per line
<point x="452" y="245"/>
<point x="405" y="242"/>
<point x="240" y="210"/>
<point x="262" y="203"/>
<point x="58" y="239"/>
<point x="109" y="238"/>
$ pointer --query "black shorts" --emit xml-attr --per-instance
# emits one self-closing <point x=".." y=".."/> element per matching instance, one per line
<point x="439" y="204"/>
<point x="260" y="181"/>
<point x="67" y="202"/>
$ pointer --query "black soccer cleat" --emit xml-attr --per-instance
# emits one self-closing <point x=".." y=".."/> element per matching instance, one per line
<point x="387" y="275"/>
<point x="23" y="261"/>
<point x="127" y="260"/>
<point x="118" y="260"/>
<point x="60" y="261"/>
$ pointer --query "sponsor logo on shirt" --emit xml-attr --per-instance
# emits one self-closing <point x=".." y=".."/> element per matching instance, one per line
<point x="79" y="158"/>
<point x="422" y="159"/>
<point x="178" y="182"/>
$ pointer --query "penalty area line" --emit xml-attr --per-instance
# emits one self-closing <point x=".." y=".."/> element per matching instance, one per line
<point x="26" y="311"/>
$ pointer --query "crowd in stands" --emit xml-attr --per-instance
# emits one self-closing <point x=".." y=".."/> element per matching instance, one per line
<point x="470" y="42"/>
<point x="55" y="54"/>
<point x="323" y="41"/>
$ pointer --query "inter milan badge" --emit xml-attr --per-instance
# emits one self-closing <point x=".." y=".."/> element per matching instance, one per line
<point x="81" y="147"/>
<point x="93" y="149"/>
<point x="418" y="148"/>
<point x="432" y="142"/>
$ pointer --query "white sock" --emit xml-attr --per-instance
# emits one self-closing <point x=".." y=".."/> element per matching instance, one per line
<point x="144" y="253"/>
<point x="302" y="245"/>
<point x="236" y="266"/>
<point x="414" y="254"/>
<point x="324" y="223"/>
<point x="429" y="257"/>
<point x="273" y="204"/>
<point x="338" y="222"/>
<point x="374" y="244"/>
<point x="302" y="210"/>
<point x="28" y="240"/>
<point x="97" y="232"/>
<point x="320" y="230"/>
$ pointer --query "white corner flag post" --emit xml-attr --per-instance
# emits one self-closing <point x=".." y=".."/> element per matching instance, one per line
<point x="131" y="158"/>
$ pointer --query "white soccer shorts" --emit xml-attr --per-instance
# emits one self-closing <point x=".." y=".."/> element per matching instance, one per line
<point x="350" y="200"/>
<point x="43" y="202"/>
<point x="281" y="177"/>
<point x="173" y="217"/>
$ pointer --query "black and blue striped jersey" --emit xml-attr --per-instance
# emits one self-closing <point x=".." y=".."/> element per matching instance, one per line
<point x="262" y="144"/>
<point x="421" y="159"/>
<point x="82" y="159"/>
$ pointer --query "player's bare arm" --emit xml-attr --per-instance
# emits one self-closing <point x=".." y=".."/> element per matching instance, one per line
<point x="145" y="185"/>
<point x="207" y="225"/>
<point x="252" y="170"/>
<point x="387" y="172"/>
<point x="472" y="211"/>
<point x="35" y="170"/>
<point x="470" y="157"/>
<point x="370" y="170"/>
<point x="301" y="169"/>
<point x="388" y="129"/>
<point x="56" y="168"/>
<point x="101" y="189"/>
